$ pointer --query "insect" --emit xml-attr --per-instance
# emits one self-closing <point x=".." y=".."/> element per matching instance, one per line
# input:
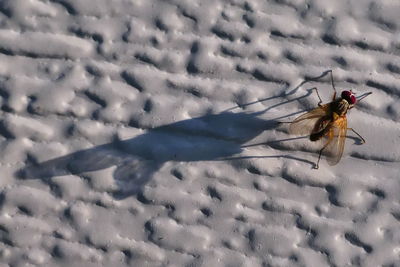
<point x="328" y="122"/>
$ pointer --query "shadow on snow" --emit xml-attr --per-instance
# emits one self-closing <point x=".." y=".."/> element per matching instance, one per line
<point x="207" y="138"/>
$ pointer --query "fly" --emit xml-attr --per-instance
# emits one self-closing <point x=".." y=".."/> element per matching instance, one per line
<point x="329" y="123"/>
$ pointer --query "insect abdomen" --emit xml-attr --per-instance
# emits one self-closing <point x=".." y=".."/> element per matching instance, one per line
<point x="317" y="136"/>
<point x="320" y="128"/>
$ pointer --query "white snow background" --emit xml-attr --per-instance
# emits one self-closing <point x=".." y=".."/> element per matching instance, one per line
<point x="144" y="133"/>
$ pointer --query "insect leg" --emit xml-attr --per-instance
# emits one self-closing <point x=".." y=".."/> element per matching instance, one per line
<point x="320" y="100"/>
<point x="364" y="96"/>
<point x="362" y="139"/>
<point x="316" y="166"/>
<point x="320" y="154"/>
<point x="333" y="84"/>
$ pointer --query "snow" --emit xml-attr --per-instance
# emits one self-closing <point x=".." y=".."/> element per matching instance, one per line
<point x="145" y="133"/>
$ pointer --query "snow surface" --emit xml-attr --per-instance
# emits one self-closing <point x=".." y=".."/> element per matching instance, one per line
<point x="144" y="133"/>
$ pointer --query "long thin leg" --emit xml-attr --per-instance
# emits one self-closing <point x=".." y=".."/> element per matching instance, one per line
<point x="319" y="97"/>
<point x="333" y="85"/>
<point x="316" y="166"/>
<point x="320" y="154"/>
<point x="332" y="82"/>
<point x="316" y="90"/>
<point x="362" y="139"/>
<point x="364" y="96"/>
<point x="319" y="103"/>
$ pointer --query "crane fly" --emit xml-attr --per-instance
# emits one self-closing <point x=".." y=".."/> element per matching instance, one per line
<point x="328" y="122"/>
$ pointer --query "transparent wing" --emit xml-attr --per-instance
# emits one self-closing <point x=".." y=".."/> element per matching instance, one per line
<point x="336" y="139"/>
<point x="305" y="124"/>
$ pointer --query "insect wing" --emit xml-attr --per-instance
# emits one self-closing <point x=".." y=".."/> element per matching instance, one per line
<point x="305" y="124"/>
<point x="336" y="139"/>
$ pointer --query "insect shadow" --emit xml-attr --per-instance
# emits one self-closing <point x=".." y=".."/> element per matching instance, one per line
<point x="211" y="137"/>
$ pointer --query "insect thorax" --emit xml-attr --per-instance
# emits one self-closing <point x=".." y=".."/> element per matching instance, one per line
<point x="340" y="107"/>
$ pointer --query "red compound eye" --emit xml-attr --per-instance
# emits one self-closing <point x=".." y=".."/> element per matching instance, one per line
<point x="349" y="97"/>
